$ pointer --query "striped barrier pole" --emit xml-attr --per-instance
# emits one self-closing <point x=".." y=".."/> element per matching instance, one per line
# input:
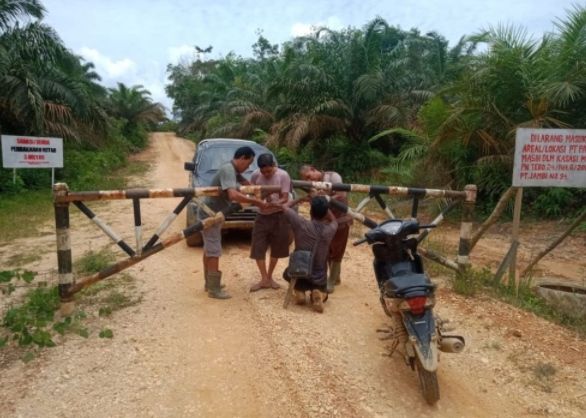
<point x="104" y="227"/>
<point x="157" y="193"/>
<point x="465" y="245"/>
<point x="64" y="259"/>
<point x="336" y="204"/>
<point x="376" y="189"/>
<point x="166" y="223"/>
<point x="439" y="218"/>
<point x="462" y="264"/>
<point x="137" y="225"/>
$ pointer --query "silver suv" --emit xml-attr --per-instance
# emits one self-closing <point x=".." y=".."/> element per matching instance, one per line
<point x="210" y="154"/>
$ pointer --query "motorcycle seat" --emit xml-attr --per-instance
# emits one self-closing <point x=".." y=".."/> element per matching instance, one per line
<point x="409" y="285"/>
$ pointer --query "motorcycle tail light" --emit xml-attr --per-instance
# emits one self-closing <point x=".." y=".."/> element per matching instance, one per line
<point x="417" y="304"/>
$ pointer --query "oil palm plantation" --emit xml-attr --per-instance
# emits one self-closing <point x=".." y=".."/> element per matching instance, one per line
<point x="135" y="107"/>
<point x="44" y="88"/>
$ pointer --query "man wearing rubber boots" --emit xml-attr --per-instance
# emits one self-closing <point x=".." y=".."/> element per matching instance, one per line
<point x="228" y="178"/>
<point x="338" y="245"/>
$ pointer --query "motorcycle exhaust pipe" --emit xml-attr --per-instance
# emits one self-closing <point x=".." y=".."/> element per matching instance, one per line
<point x="452" y="344"/>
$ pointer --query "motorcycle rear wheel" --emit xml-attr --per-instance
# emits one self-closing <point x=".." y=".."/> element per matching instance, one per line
<point x="428" y="384"/>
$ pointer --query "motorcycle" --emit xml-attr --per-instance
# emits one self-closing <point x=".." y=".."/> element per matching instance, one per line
<point x="407" y="296"/>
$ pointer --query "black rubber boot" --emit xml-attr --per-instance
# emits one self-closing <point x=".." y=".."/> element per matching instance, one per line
<point x="215" y="286"/>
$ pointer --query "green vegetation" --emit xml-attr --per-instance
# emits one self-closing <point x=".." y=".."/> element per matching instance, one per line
<point x="94" y="261"/>
<point x="394" y="106"/>
<point x="45" y="90"/>
<point x="27" y="210"/>
<point x="106" y="333"/>
<point x="11" y="278"/>
<point x="33" y="320"/>
<point x="31" y="208"/>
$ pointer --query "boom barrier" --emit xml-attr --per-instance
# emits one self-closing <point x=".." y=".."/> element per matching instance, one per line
<point x="461" y="264"/>
<point x="62" y="198"/>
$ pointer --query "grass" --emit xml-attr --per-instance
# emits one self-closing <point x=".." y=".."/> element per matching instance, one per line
<point x="110" y="295"/>
<point x="94" y="261"/>
<point x="21" y="214"/>
<point x="543" y="374"/>
<point x="19" y="260"/>
<point x="134" y="168"/>
<point x="34" y="322"/>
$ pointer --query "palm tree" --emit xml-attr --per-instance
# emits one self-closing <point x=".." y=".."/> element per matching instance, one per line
<point x="516" y="82"/>
<point x="44" y="88"/>
<point x="11" y="11"/>
<point x="134" y="106"/>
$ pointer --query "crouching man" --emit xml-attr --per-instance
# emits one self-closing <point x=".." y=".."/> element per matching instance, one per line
<point x="312" y="235"/>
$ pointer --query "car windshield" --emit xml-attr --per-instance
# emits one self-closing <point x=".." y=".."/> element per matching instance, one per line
<point x="213" y="158"/>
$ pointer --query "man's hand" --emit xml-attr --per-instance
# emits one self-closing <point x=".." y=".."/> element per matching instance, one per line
<point x="262" y="205"/>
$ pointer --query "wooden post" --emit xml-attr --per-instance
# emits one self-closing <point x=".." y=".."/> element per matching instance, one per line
<point x="64" y="260"/>
<point x="513" y="278"/>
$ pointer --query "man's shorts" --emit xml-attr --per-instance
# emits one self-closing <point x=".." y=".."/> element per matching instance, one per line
<point x="270" y="231"/>
<point x="212" y="241"/>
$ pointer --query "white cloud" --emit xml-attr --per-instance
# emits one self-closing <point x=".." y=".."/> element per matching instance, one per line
<point x="304" y="29"/>
<point x="177" y="53"/>
<point x="104" y="64"/>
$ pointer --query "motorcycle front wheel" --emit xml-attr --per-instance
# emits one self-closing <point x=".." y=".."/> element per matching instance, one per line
<point x="428" y="384"/>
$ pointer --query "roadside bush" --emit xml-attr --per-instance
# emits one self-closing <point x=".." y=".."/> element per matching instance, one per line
<point x="339" y="154"/>
<point x="168" y="126"/>
<point x="557" y="202"/>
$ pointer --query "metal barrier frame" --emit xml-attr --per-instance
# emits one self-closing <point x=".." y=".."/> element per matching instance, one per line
<point x="468" y="196"/>
<point x="62" y="198"/>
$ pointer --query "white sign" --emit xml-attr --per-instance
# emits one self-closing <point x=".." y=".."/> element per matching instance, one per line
<point x="550" y="158"/>
<point x="31" y="152"/>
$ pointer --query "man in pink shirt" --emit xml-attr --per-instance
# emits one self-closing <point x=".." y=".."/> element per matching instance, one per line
<point x="271" y="228"/>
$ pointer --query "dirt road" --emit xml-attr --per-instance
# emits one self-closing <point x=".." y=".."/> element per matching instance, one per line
<point x="179" y="353"/>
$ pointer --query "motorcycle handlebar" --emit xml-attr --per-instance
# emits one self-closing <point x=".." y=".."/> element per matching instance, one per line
<point x="363" y="240"/>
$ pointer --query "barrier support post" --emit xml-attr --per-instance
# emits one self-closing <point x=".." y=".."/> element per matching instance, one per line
<point x="463" y="260"/>
<point x="64" y="259"/>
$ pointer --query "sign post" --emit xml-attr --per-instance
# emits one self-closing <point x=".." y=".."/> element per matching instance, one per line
<point x="545" y="158"/>
<point x="32" y="152"/>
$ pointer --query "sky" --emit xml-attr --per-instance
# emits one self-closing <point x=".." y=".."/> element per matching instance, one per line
<point x="133" y="41"/>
